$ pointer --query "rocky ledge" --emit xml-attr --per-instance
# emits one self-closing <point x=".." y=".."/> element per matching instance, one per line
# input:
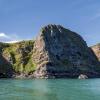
<point x="56" y="53"/>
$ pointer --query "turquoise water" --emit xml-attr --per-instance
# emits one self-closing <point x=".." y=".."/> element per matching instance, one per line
<point x="51" y="89"/>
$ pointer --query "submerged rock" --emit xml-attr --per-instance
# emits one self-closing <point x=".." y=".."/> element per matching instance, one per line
<point x="82" y="76"/>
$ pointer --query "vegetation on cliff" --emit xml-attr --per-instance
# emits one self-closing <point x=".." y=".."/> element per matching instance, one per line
<point x="19" y="55"/>
<point x="56" y="52"/>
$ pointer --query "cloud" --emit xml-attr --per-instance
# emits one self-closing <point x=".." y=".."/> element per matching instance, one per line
<point x="11" y="38"/>
<point x="14" y="41"/>
<point x="3" y="35"/>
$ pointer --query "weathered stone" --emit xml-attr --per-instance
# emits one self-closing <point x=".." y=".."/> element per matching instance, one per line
<point x="60" y="52"/>
<point x="82" y="76"/>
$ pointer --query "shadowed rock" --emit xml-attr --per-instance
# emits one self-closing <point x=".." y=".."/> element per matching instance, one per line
<point x="6" y="68"/>
<point x="59" y="52"/>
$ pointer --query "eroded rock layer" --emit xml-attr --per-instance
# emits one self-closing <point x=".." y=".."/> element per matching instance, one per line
<point x="56" y="53"/>
<point x="59" y="52"/>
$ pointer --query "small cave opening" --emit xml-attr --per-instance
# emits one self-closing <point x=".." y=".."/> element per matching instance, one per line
<point x="3" y="75"/>
<point x="79" y="53"/>
<point x="57" y="56"/>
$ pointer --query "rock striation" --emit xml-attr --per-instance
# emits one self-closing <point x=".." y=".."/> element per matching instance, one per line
<point x="59" y="52"/>
<point x="56" y="53"/>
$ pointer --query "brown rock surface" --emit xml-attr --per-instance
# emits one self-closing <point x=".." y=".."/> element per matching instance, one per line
<point x="96" y="50"/>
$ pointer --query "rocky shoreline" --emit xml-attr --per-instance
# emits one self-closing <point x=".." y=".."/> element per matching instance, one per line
<point x="56" y="52"/>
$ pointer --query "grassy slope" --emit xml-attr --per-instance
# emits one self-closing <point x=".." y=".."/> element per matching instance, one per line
<point x="20" y="56"/>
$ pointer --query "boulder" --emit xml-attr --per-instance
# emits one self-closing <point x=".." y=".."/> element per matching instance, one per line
<point x="82" y="76"/>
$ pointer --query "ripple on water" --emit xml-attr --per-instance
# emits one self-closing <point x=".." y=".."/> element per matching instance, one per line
<point x="50" y="89"/>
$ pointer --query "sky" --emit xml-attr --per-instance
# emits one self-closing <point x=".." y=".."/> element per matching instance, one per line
<point x="22" y="19"/>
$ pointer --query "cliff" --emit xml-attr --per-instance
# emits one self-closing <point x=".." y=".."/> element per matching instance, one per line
<point x="56" y="53"/>
<point x="96" y="50"/>
<point x="59" y="52"/>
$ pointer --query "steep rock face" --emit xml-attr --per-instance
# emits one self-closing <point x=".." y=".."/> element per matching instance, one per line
<point x="96" y="50"/>
<point x="56" y="53"/>
<point x="59" y="52"/>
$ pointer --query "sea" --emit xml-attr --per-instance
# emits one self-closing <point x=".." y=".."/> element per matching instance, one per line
<point x="49" y="89"/>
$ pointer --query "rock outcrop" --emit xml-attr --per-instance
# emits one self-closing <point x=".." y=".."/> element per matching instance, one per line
<point x="56" y="53"/>
<point x="82" y="77"/>
<point x="59" y="52"/>
<point x="96" y="50"/>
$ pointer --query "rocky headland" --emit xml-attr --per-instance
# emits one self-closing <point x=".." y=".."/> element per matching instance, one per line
<point x="55" y="53"/>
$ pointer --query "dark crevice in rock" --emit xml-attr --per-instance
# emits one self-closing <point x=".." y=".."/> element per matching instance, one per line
<point x="6" y="68"/>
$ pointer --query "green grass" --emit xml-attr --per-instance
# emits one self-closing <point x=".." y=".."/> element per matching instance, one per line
<point x="21" y="54"/>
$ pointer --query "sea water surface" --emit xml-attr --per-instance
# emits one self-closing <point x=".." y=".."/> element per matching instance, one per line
<point x="50" y="89"/>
